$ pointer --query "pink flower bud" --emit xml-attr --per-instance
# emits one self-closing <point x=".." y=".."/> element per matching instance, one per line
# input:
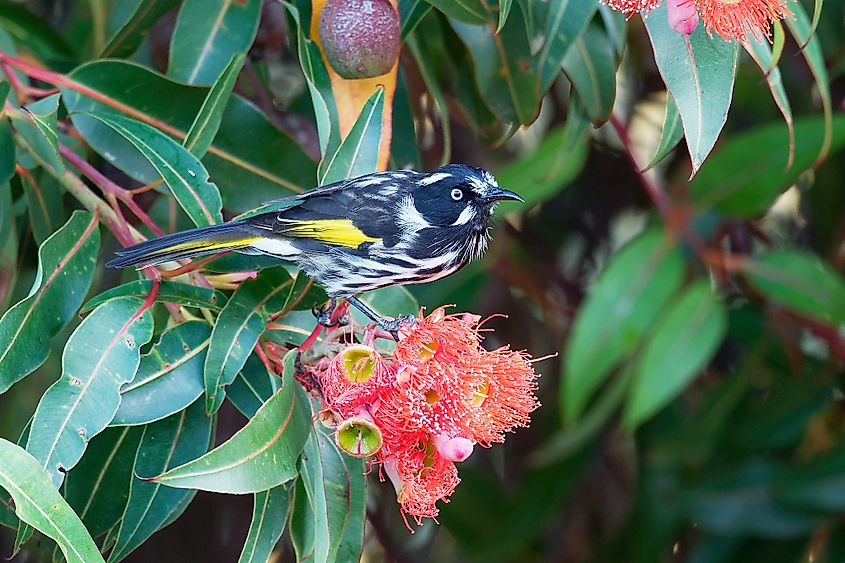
<point x="683" y="16"/>
<point x="453" y="449"/>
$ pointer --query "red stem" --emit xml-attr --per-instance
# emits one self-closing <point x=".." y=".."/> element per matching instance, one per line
<point x="654" y="191"/>
<point x="109" y="187"/>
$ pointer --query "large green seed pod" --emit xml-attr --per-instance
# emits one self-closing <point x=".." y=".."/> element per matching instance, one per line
<point x="360" y="37"/>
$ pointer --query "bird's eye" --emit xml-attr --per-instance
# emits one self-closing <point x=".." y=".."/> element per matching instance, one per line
<point x="457" y="194"/>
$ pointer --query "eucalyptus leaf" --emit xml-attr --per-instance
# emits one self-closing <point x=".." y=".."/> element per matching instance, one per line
<point x="208" y="34"/>
<point x="269" y="516"/>
<point x="186" y="177"/>
<point x="699" y="72"/>
<point x="622" y="304"/>
<point x="239" y="325"/>
<point x="164" y="444"/>
<point x="248" y="149"/>
<point x="358" y="153"/>
<point x="27" y="329"/>
<point x="38" y="503"/>
<point x="261" y="455"/>
<point x="132" y="32"/>
<point x="169" y="377"/>
<point x="101" y="354"/>
<point x="204" y="128"/>
<point x="38" y="129"/>
<point x="168" y="292"/>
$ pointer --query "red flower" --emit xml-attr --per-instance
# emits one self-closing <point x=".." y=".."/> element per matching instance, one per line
<point x="426" y="406"/>
<point x="421" y="477"/>
<point x="631" y="7"/>
<point x="736" y="19"/>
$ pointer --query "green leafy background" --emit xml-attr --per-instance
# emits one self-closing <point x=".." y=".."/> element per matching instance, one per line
<point x="679" y="260"/>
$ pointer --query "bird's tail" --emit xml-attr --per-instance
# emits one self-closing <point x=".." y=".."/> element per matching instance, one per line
<point x="186" y="244"/>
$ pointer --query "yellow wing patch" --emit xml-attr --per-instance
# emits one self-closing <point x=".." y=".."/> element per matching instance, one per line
<point x="339" y="232"/>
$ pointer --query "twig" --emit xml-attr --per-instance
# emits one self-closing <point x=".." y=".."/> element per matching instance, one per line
<point x="655" y="192"/>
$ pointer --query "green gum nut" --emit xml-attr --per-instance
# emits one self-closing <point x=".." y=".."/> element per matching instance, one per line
<point x="358" y="362"/>
<point x="359" y="437"/>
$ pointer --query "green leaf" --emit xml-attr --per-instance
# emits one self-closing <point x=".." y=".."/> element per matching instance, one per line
<point x="504" y="10"/>
<point x="800" y="282"/>
<point x="671" y="133"/>
<point x="261" y="455"/>
<point x="358" y="153"/>
<point x="169" y="377"/>
<point x="7" y="142"/>
<point x="699" y="73"/>
<point x="98" y="487"/>
<point x="411" y="13"/>
<point x="565" y="21"/>
<point x="543" y="172"/>
<point x="168" y="292"/>
<point x="128" y="37"/>
<point x="269" y="516"/>
<point x="253" y="387"/>
<point x="150" y="507"/>
<point x="678" y="348"/>
<point x="44" y="201"/>
<point x="590" y="65"/>
<point x="469" y="11"/>
<point x="207" y="34"/>
<point x="335" y="505"/>
<point x="207" y="123"/>
<point x="101" y="354"/>
<point x="622" y="304"/>
<point x="749" y="172"/>
<point x="38" y="503"/>
<point x="38" y="129"/>
<point x="33" y="33"/>
<point x="761" y="52"/>
<point x="239" y="325"/>
<point x="186" y="177"/>
<point x="319" y="86"/>
<point x="247" y="151"/>
<point x="424" y="64"/>
<point x="801" y="29"/>
<point x="295" y="327"/>
<point x="66" y="263"/>
<point x="504" y="69"/>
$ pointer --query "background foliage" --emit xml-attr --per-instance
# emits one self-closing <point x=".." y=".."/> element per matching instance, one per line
<point x="693" y="289"/>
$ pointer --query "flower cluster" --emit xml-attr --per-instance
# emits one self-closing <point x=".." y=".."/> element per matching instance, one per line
<point x="426" y="406"/>
<point x="731" y="19"/>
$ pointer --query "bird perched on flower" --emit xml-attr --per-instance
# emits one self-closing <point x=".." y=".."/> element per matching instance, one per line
<point x="353" y="236"/>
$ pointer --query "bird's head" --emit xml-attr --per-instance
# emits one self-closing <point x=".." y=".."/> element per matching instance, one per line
<point x="458" y="195"/>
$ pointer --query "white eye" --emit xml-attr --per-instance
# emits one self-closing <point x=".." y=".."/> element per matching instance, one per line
<point x="457" y="194"/>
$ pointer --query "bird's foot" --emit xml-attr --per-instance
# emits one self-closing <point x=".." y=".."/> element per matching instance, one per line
<point x="325" y="313"/>
<point x="392" y="326"/>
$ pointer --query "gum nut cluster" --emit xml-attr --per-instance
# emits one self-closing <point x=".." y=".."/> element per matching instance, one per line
<point x="360" y="38"/>
<point x="425" y="407"/>
<point x="730" y="19"/>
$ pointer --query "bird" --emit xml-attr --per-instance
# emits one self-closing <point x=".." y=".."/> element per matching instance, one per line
<point x="387" y="228"/>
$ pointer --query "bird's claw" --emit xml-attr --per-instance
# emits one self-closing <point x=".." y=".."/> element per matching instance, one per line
<point x="324" y="315"/>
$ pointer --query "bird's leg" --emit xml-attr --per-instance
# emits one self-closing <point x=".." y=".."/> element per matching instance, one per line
<point x="324" y="315"/>
<point x="388" y="325"/>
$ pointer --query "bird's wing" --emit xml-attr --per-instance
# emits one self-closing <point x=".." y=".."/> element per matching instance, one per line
<point x="347" y="215"/>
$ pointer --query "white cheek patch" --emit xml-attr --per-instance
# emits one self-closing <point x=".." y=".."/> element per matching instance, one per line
<point x="275" y="247"/>
<point x="433" y="178"/>
<point x="464" y="217"/>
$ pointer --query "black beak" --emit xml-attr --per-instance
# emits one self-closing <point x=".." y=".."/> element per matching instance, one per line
<point x="501" y="194"/>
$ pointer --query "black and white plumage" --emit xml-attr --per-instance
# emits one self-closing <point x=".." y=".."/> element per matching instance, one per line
<point x="353" y="236"/>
